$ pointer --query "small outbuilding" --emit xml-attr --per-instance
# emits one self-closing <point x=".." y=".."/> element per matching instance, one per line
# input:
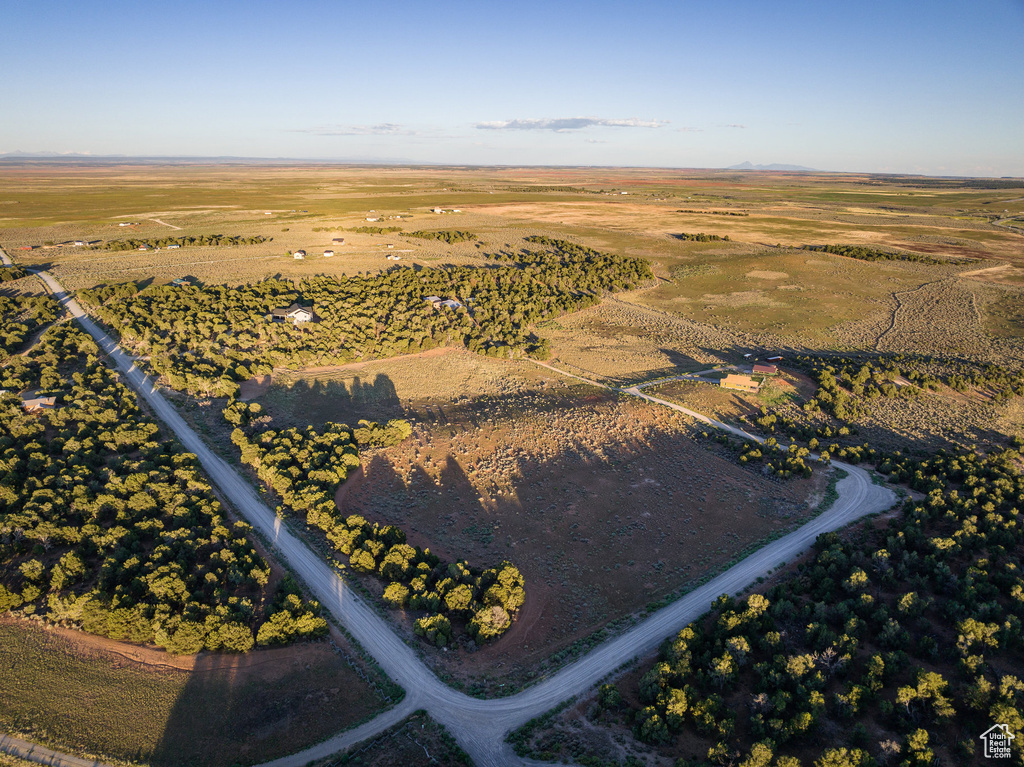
<point x="740" y="383"/>
<point x="328" y="253"/>
<point x="767" y="370"/>
<point x="299" y="254"/>
<point x="338" y="241"/>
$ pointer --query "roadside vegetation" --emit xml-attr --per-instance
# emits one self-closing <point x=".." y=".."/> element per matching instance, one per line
<point x="20" y="317"/>
<point x="11" y="273"/>
<point x="902" y="641"/>
<point x="305" y="468"/>
<point x="416" y="740"/>
<point x="107" y="526"/>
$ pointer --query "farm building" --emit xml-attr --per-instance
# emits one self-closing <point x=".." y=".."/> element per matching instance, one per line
<point x="338" y="240"/>
<point x="27" y="247"/>
<point x="173" y="246"/>
<point x="39" y="403"/>
<point x="775" y="359"/>
<point x="767" y="370"/>
<point x="180" y="281"/>
<point x="328" y="253"/>
<point x="294" y="313"/>
<point x="80" y="243"/>
<point x="437" y="210"/>
<point x="299" y="254"/>
<point x="437" y="301"/>
<point x="740" y="383"/>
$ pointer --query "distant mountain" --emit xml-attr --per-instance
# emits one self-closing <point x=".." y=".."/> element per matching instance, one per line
<point x="774" y="166"/>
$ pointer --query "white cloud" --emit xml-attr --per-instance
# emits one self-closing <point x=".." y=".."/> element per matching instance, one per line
<point x="381" y="129"/>
<point x="565" y="124"/>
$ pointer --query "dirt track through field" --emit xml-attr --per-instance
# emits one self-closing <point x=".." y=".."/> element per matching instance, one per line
<point x="480" y="726"/>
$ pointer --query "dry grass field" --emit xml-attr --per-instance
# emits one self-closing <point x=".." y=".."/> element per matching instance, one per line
<point x="604" y="503"/>
<point x="91" y="695"/>
<point x="747" y="285"/>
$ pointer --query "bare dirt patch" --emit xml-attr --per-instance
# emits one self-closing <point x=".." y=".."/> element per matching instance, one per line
<point x="604" y="504"/>
<point x="762" y="274"/>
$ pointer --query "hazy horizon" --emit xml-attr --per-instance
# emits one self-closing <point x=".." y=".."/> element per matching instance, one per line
<point x="875" y="88"/>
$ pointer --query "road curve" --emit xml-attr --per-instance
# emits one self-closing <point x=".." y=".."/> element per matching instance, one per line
<point x="479" y="726"/>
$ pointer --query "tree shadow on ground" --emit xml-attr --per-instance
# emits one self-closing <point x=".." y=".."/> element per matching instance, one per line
<point x="261" y="705"/>
<point x="316" y="401"/>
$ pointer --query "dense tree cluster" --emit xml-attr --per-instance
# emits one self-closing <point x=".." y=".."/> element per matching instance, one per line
<point x="701" y="237"/>
<point x="204" y="240"/>
<point x="11" y="273"/>
<point x="450" y="236"/>
<point x="871" y="254"/>
<point x="206" y="340"/>
<point x="20" y="316"/>
<point x="108" y="526"/>
<point x="305" y="467"/>
<point x="375" y="229"/>
<point x="902" y="646"/>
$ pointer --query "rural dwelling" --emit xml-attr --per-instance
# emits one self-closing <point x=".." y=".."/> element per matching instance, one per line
<point x="80" y="243"/>
<point x="338" y="240"/>
<point x="39" y="403"/>
<point x="434" y="300"/>
<point x="766" y="370"/>
<point x="740" y="383"/>
<point x="299" y="254"/>
<point x="294" y="313"/>
<point x="173" y="247"/>
<point x="450" y="304"/>
<point x="328" y="253"/>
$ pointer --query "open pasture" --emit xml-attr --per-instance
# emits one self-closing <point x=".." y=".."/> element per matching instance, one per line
<point x="132" y="704"/>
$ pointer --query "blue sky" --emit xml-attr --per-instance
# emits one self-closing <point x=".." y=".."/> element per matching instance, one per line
<point x="922" y="87"/>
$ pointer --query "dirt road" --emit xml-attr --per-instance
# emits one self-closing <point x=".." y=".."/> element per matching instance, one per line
<point x="479" y="726"/>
